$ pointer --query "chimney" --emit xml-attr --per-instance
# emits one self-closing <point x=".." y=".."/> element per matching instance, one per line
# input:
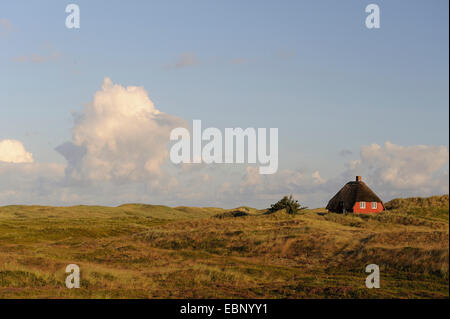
<point x="358" y="178"/>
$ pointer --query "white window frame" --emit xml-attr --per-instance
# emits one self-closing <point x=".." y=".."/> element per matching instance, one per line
<point x="374" y="205"/>
<point x="362" y="205"/>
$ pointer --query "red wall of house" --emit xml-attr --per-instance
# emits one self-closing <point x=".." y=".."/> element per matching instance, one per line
<point x="368" y="209"/>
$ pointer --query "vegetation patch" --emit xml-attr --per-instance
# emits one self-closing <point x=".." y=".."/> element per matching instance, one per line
<point x="151" y="251"/>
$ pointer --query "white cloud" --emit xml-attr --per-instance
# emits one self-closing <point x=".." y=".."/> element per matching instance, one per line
<point x="120" y="136"/>
<point x="284" y="182"/>
<point x="317" y="179"/>
<point x="252" y="177"/>
<point x="403" y="170"/>
<point x="119" y="154"/>
<point x="390" y="170"/>
<point x="13" y="151"/>
<point x="31" y="183"/>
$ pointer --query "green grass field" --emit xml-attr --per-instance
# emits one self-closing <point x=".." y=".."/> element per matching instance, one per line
<point x="146" y="251"/>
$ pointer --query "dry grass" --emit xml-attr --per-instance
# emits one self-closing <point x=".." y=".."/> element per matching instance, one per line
<point x="146" y="251"/>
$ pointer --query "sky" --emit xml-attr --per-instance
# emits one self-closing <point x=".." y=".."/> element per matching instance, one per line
<point x="347" y="100"/>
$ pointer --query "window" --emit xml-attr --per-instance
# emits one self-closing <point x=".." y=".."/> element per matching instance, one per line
<point x="362" y="205"/>
<point x="374" y="205"/>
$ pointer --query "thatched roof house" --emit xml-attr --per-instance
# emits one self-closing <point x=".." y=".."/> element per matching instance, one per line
<point x="355" y="197"/>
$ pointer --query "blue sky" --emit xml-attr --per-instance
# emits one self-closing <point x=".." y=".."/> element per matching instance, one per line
<point x="310" y="68"/>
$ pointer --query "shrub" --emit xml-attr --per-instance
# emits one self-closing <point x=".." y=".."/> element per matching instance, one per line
<point x="288" y="203"/>
<point x="234" y="213"/>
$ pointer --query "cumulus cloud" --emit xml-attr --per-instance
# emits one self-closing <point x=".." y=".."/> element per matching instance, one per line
<point x="31" y="183"/>
<point x="390" y="170"/>
<point x="283" y="182"/>
<point x="252" y="177"/>
<point x="120" y="136"/>
<point x="13" y="151"/>
<point x="317" y="179"/>
<point x="396" y="169"/>
<point x="22" y="181"/>
<point x="119" y="153"/>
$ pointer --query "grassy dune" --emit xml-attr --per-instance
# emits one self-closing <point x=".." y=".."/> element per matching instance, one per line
<point x="148" y="251"/>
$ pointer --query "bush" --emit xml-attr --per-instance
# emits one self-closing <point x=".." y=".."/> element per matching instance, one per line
<point x="234" y="213"/>
<point x="291" y="205"/>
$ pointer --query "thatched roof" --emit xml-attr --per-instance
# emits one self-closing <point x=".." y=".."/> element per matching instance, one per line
<point x="352" y="192"/>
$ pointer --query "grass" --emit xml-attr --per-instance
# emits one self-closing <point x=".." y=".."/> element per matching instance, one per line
<point x="149" y="251"/>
